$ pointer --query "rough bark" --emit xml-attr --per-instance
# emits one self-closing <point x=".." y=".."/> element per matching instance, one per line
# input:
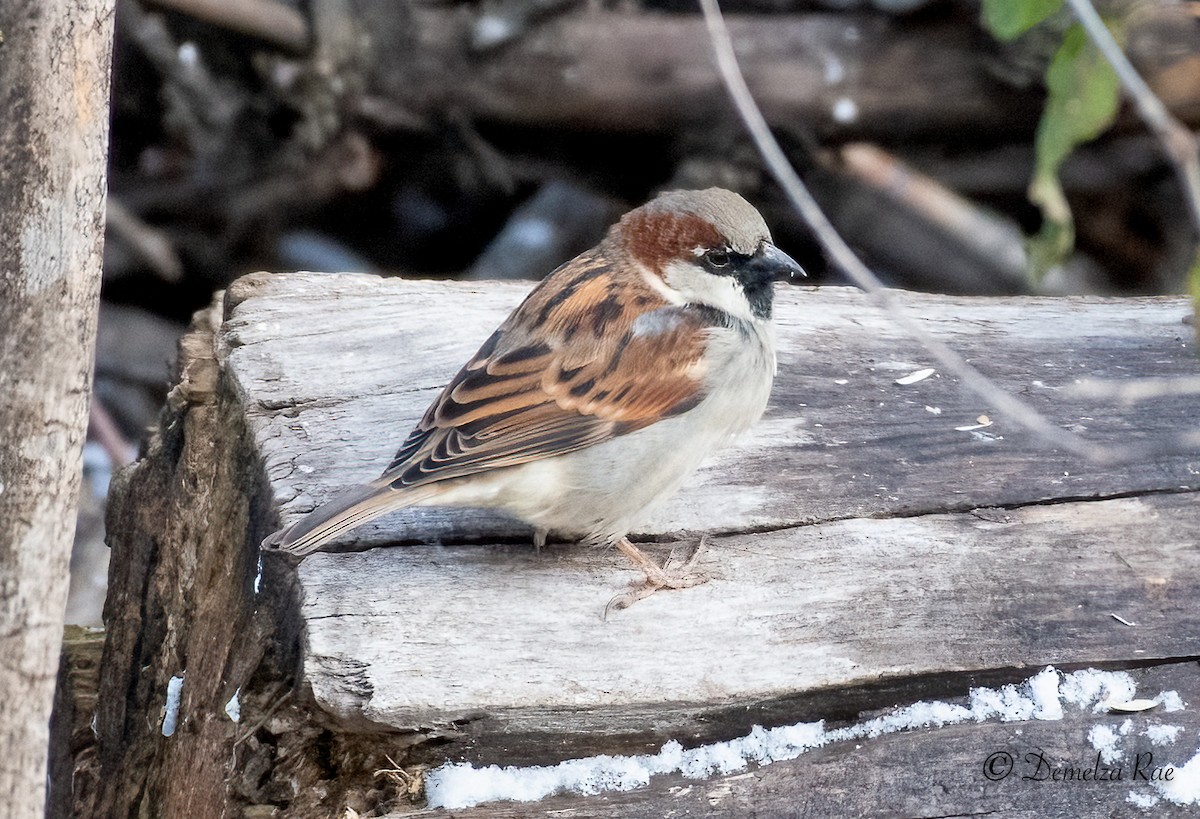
<point x="54" y="82"/>
<point x="186" y="612"/>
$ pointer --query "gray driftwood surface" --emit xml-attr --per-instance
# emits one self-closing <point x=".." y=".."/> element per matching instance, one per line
<point x="864" y="553"/>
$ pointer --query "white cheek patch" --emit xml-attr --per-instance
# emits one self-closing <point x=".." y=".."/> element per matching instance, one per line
<point x="698" y="286"/>
<point x="660" y="287"/>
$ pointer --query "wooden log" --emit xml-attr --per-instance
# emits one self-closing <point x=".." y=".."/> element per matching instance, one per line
<point x="867" y="552"/>
<point x="839" y="75"/>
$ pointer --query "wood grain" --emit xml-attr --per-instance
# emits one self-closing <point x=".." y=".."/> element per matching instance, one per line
<point x="867" y="539"/>
<point x="864" y="554"/>
<point x="334" y="371"/>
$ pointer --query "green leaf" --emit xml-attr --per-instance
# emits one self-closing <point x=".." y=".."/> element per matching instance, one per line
<point x="1084" y="95"/>
<point x="1009" y="19"/>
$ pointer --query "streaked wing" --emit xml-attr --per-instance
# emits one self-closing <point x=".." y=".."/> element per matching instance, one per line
<point x="584" y="359"/>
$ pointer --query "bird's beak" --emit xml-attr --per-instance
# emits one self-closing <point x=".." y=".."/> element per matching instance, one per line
<point x="781" y="265"/>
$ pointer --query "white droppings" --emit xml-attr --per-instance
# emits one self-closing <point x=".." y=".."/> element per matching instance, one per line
<point x="845" y="111"/>
<point x="258" y="576"/>
<point x="171" y="709"/>
<point x="933" y="410"/>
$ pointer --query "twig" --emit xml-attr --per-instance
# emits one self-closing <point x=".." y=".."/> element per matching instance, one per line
<point x="1176" y="139"/>
<point x="267" y="20"/>
<point x="105" y="431"/>
<point x="150" y="244"/>
<point x="1134" y="390"/>
<point x="779" y="166"/>
<point x="980" y="233"/>
<point x="251" y="730"/>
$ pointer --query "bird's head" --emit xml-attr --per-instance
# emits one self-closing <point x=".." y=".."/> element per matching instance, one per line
<point x="708" y="247"/>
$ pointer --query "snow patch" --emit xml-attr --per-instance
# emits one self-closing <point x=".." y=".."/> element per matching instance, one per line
<point x="461" y="785"/>
<point x="1184" y="786"/>
<point x="1162" y="734"/>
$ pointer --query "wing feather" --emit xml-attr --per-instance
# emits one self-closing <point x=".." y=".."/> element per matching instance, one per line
<point x="567" y="370"/>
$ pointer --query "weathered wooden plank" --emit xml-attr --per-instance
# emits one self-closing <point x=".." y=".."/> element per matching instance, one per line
<point x="334" y="370"/>
<point x="300" y="384"/>
<point x="934" y="772"/>
<point x="510" y="643"/>
<point x="510" y="646"/>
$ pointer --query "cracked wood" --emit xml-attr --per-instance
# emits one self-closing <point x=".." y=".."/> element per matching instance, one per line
<point x="867" y="538"/>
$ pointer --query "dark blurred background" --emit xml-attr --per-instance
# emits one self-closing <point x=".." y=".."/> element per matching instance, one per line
<point x="498" y="138"/>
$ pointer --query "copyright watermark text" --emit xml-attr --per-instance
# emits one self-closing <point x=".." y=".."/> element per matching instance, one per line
<point x="1036" y="766"/>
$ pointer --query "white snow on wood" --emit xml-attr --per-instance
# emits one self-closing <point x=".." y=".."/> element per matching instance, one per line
<point x="1162" y="734"/>
<point x="1170" y="701"/>
<point x="461" y="785"/>
<point x="1106" y="740"/>
<point x="1183" y="788"/>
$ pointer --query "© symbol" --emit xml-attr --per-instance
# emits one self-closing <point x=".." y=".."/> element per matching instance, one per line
<point x="998" y="765"/>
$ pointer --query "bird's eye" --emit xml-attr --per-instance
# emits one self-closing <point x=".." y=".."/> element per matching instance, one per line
<point x="717" y="257"/>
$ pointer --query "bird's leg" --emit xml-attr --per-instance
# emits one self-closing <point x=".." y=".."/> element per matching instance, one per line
<point x="539" y="539"/>
<point x="658" y="577"/>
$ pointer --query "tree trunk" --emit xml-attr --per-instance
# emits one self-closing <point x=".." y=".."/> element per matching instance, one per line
<point x="54" y="81"/>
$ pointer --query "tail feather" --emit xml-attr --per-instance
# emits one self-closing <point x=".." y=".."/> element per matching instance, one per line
<point x="346" y="511"/>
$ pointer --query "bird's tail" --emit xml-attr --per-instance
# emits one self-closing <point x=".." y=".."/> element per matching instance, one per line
<point x="346" y="511"/>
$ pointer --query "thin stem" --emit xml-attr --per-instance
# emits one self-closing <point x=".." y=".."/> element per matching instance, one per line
<point x="1178" y="141"/>
<point x="779" y="166"/>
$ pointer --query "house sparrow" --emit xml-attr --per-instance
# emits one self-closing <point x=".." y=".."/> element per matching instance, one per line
<point x="602" y="391"/>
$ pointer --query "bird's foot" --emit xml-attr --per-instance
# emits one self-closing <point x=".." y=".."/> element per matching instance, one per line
<point x="679" y="572"/>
